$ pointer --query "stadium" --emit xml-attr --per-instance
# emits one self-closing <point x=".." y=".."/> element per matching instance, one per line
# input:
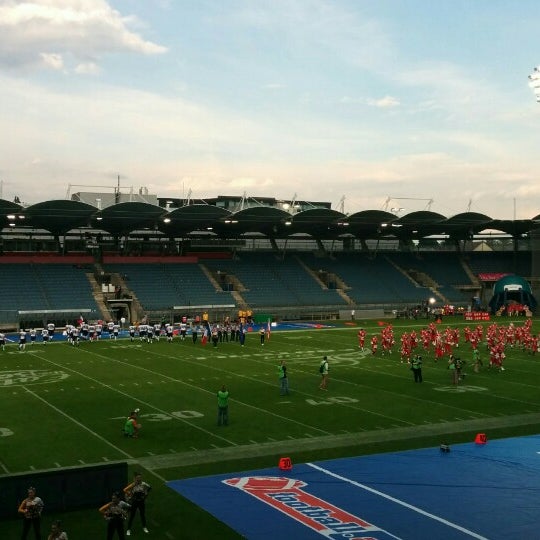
<point x="301" y="280"/>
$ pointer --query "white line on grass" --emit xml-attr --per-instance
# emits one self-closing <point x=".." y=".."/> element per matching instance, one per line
<point x="5" y="469"/>
<point x="59" y="411"/>
<point x="265" y="411"/>
<point x="400" y="502"/>
<point x="232" y="443"/>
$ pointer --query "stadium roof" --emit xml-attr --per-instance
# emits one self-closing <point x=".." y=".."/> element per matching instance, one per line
<point x="61" y="216"/>
<point x="58" y="217"/>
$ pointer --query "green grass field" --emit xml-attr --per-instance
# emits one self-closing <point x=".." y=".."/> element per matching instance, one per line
<point x="64" y="406"/>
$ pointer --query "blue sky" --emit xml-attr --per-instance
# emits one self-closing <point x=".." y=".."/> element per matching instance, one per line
<point x="410" y="100"/>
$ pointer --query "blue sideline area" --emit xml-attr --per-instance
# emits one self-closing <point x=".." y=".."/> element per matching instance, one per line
<point x="486" y="491"/>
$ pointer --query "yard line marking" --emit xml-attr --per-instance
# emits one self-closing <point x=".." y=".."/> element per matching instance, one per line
<point x="265" y="411"/>
<point x="399" y="501"/>
<point x="6" y="470"/>
<point x="195" y="426"/>
<point x="58" y="464"/>
<point x="59" y="411"/>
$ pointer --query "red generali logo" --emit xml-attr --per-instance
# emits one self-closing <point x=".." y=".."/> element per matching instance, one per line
<point x="287" y="496"/>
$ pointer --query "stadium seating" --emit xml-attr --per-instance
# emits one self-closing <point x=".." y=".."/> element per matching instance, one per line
<point x="272" y="281"/>
<point x="495" y="262"/>
<point x="445" y="268"/>
<point x="370" y="280"/>
<point x="162" y="286"/>
<point x="39" y="287"/>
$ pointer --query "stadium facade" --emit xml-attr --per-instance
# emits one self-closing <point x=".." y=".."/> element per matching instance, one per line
<point x="288" y="258"/>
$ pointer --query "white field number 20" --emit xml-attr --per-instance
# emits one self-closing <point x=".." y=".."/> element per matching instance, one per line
<point x="332" y="400"/>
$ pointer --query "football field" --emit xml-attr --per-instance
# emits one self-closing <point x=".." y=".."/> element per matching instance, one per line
<point x="64" y="406"/>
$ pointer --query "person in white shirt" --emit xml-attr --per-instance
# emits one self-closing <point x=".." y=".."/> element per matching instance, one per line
<point x="51" y="328"/>
<point x="22" y="340"/>
<point x="183" y="330"/>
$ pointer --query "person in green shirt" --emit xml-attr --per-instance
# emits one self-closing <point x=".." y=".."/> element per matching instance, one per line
<point x="416" y="367"/>
<point x="223" y="406"/>
<point x="132" y="426"/>
<point x="477" y="360"/>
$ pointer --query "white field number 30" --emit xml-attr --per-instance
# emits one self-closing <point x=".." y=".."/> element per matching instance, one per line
<point x="160" y="417"/>
<point x="332" y="400"/>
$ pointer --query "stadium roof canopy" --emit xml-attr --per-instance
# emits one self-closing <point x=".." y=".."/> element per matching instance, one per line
<point x="10" y="214"/>
<point x="123" y="218"/>
<point x="256" y="219"/>
<point x="195" y="217"/>
<point x="61" y="216"/>
<point x="58" y="217"/>
<point x="318" y="222"/>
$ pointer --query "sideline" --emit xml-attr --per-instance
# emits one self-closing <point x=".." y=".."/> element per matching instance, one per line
<point x="400" y="502"/>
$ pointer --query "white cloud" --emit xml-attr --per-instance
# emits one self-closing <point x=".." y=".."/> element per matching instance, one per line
<point x="53" y="61"/>
<point x="386" y="102"/>
<point x="80" y="29"/>
<point x="87" y="68"/>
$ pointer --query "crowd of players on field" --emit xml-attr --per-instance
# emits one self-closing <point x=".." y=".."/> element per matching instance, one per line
<point x="84" y="331"/>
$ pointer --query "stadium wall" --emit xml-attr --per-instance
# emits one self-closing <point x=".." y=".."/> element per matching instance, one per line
<point x="64" y="489"/>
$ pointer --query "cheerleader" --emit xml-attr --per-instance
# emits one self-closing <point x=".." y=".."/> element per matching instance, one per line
<point x="115" y="513"/>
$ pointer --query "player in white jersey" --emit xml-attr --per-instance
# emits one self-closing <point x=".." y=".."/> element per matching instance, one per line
<point x="32" y="336"/>
<point x="22" y="340"/>
<point x="143" y="331"/>
<point x="149" y="333"/>
<point x="51" y="328"/>
<point x="69" y="332"/>
<point x="2" y="341"/>
<point x="110" y="327"/>
<point x="45" y="336"/>
<point x="131" y="330"/>
<point x="183" y="330"/>
<point x="91" y="332"/>
<point x="84" y="331"/>
<point x="75" y="336"/>
<point x="99" y="330"/>
<point x="157" y="330"/>
<point x="116" y="330"/>
<point x="169" y="331"/>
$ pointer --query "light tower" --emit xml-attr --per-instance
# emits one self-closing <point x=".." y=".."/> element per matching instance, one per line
<point x="534" y="82"/>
